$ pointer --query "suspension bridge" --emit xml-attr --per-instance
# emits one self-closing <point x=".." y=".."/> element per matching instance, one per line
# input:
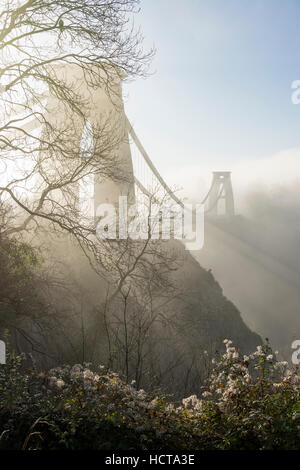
<point x="251" y="266"/>
<point x="144" y="174"/>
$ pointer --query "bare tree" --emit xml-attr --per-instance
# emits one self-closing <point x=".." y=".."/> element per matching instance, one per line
<point x="44" y="46"/>
<point x="38" y="40"/>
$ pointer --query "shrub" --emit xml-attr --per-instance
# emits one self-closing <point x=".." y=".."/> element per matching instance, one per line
<point x="249" y="402"/>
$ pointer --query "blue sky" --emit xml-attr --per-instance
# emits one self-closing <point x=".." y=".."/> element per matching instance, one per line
<point x="221" y="91"/>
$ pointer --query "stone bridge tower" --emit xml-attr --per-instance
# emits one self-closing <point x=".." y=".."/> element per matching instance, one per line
<point x="101" y="106"/>
<point x="221" y="189"/>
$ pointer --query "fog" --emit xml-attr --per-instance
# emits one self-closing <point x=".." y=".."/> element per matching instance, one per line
<point x="255" y="256"/>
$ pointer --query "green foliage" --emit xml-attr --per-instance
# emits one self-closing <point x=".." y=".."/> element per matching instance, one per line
<point x="18" y="281"/>
<point x="248" y="403"/>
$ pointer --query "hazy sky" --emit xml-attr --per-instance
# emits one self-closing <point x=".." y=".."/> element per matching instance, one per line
<point x="221" y="92"/>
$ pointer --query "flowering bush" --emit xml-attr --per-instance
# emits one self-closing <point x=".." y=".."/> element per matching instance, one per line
<point x="249" y="402"/>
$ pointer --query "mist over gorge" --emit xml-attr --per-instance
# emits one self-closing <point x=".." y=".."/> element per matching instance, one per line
<point x="256" y="259"/>
<point x="116" y="334"/>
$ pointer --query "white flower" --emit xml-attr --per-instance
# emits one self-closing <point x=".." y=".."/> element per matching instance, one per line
<point x="170" y="407"/>
<point x="296" y="379"/>
<point x="190" y="402"/>
<point x="141" y="394"/>
<point x="75" y="371"/>
<point x="88" y="375"/>
<point x="154" y="402"/>
<point x="60" y="383"/>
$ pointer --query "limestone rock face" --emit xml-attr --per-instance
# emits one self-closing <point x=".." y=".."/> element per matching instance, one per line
<point x="206" y="316"/>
